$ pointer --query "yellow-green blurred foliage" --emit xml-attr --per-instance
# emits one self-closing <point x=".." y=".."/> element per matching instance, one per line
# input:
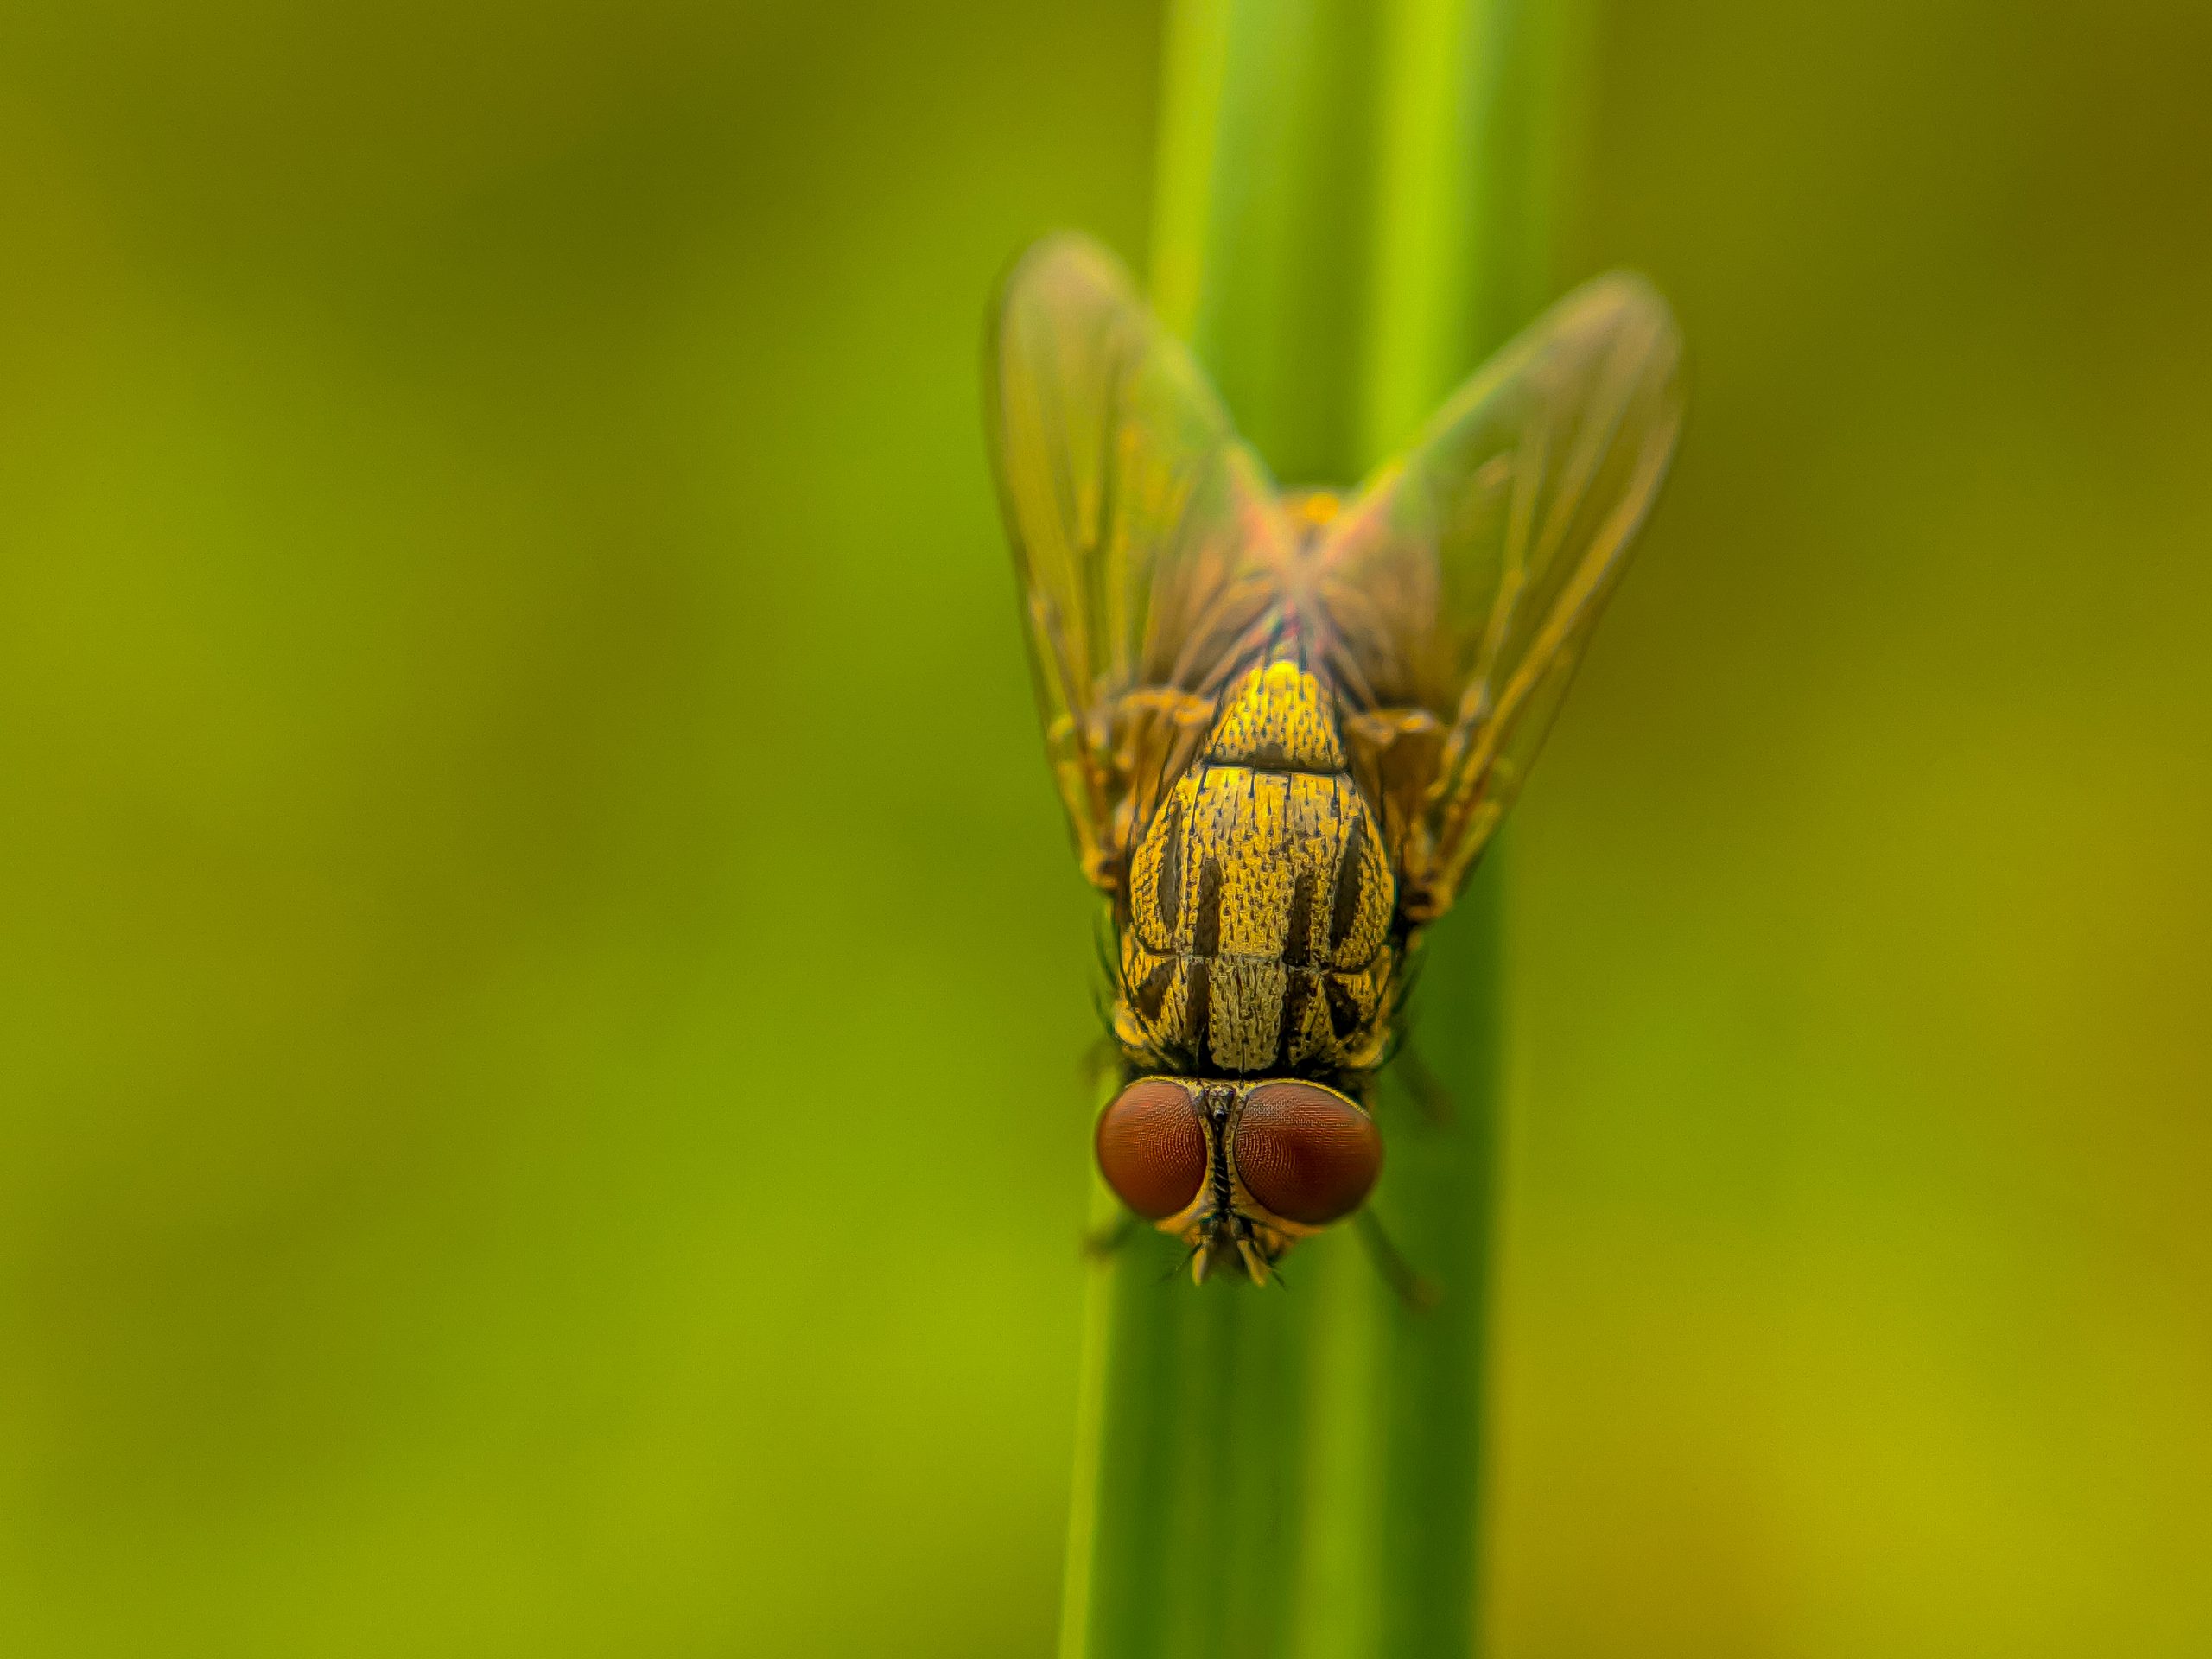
<point x="541" y="980"/>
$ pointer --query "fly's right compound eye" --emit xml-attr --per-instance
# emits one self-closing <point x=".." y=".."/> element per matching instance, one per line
<point x="1151" y="1150"/>
<point x="1306" y="1152"/>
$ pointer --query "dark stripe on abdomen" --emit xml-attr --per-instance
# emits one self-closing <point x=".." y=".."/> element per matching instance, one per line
<point x="1296" y="995"/>
<point x="1152" y="993"/>
<point x="1197" y="1010"/>
<point x="1297" y="929"/>
<point x="1344" y="1008"/>
<point x="1344" y="907"/>
<point x="1169" y="898"/>
<point x="1205" y="927"/>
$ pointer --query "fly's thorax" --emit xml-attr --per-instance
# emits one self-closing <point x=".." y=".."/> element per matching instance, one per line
<point x="1278" y="718"/>
<point x="1259" y="900"/>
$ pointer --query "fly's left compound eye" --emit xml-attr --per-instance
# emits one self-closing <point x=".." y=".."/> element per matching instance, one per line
<point x="1309" y="1155"/>
<point x="1151" y="1150"/>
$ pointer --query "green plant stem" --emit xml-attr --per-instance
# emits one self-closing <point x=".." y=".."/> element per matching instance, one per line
<point x="1353" y="208"/>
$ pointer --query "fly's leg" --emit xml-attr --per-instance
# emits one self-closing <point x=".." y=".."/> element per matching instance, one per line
<point x="1415" y="1291"/>
<point x="1424" y="1087"/>
<point x="1104" y="1243"/>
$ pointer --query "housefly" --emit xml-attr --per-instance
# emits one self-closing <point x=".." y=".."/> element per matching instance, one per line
<point x="1285" y="723"/>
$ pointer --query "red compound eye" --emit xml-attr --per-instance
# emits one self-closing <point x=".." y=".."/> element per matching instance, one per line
<point x="1151" y="1149"/>
<point x="1307" y="1154"/>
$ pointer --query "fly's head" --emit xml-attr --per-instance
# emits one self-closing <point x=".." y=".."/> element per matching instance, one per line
<point x="1239" y="1171"/>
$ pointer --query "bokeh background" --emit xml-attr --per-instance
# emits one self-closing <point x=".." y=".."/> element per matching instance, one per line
<point x="541" y="980"/>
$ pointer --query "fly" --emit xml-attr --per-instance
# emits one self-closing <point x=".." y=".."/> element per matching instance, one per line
<point x="1285" y="725"/>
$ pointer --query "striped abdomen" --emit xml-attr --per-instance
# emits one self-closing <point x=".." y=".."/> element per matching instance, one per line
<point x="1260" y="900"/>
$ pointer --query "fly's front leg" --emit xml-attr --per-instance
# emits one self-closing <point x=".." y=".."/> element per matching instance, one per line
<point x="1415" y="1291"/>
<point x="1424" y="1088"/>
<point x="1104" y="1243"/>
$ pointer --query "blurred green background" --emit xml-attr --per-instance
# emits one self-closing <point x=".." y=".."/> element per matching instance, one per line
<point x="541" y="978"/>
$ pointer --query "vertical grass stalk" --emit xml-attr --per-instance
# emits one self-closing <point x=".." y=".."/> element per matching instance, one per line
<point x="1354" y="206"/>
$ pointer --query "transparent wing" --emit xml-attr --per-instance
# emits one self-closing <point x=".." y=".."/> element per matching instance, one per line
<point x="1144" y="534"/>
<point x="1455" y="592"/>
